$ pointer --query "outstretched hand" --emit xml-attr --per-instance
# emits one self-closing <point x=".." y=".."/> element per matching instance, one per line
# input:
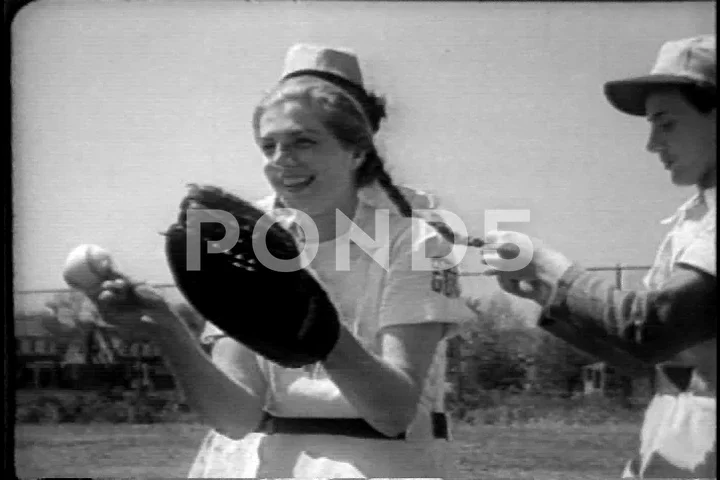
<point x="539" y="276"/>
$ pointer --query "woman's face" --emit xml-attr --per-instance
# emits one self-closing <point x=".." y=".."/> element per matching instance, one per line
<point x="684" y="139"/>
<point x="304" y="163"/>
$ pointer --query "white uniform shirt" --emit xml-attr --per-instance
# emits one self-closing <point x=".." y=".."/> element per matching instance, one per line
<point x="369" y="299"/>
<point x="678" y="436"/>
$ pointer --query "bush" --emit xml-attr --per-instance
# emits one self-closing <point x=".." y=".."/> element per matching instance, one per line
<point x="42" y="409"/>
<point x="107" y="407"/>
<point x="29" y="414"/>
<point x="102" y="411"/>
<point x="509" y="408"/>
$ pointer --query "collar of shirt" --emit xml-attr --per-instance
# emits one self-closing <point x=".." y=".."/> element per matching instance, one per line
<point x="371" y="197"/>
<point x="375" y="196"/>
<point x="706" y="196"/>
<point x="710" y="195"/>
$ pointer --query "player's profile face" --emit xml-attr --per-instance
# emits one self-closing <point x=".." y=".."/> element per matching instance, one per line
<point x="683" y="138"/>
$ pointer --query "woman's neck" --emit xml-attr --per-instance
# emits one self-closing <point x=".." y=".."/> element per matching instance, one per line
<point x="330" y="224"/>
<point x="709" y="180"/>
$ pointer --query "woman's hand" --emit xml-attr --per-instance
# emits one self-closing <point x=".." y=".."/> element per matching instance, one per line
<point x="132" y="308"/>
<point x="539" y="276"/>
<point x="222" y="393"/>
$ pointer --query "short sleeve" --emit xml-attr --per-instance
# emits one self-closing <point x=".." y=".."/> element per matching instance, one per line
<point x="702" y="252"/>
<point x="408" y="297"/>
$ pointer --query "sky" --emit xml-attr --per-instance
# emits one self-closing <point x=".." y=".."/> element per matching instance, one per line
<point x="118" y="105"/>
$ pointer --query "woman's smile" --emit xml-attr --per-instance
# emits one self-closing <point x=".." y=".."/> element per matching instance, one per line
<point x="296" y="183"/>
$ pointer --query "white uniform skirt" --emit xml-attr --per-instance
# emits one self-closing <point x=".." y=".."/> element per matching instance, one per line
<point x="260" y="455"/>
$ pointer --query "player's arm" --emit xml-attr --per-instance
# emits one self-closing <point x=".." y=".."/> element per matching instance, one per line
<point x="633" y="328"/>
<point x="227" y="389"/>
<point x="385" y="389"/>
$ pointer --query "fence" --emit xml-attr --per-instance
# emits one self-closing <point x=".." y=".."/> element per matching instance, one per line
<point x="619" y="271"/>
<point x="40" y="362"/>
<point x="36" y="299"/>
<point x="624" y="276"/>
<point x="61" y="346"/>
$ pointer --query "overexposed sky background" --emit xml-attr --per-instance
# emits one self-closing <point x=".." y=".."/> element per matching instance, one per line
<point x="117" y="105"/>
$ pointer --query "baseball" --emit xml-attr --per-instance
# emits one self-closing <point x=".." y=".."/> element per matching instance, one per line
<point x="508" y="251"/>
<point x="87" y="267"/>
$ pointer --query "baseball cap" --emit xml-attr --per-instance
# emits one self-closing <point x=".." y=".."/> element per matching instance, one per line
<point x="339" y="66"/>
<point x="311" y="59"/>
<point x="688" y="61"/>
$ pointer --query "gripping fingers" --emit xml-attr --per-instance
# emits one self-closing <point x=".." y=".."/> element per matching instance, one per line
<point x="122" y="290"/>
<point x="512" y="284"/>
<point x="114" y="290"/>
<point x="516" y="286"/>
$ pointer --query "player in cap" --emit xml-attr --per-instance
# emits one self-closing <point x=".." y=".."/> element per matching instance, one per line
<point x="671" y="327"/>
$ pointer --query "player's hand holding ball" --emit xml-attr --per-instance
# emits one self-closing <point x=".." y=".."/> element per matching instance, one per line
<point x="87" y="267"/>
<point x="130" y="307"/>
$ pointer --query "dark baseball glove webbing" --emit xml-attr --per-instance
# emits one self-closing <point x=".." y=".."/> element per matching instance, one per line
<point x="285" y="316"/>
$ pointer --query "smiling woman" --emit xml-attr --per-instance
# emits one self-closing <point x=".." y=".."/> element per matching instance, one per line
<point x="387" y="370"/>
<point x="316" y="133"/>
<point x="306" y="164"/>
<point x="374" y="406"/>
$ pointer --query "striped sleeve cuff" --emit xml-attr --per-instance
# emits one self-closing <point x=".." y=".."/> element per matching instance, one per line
<point x="574" y="315"/>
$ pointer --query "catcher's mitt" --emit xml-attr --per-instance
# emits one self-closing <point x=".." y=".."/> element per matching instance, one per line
<point x="292" y="320"/>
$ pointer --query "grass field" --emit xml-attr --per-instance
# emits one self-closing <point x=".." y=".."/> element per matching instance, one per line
<point x="166" y="450"/>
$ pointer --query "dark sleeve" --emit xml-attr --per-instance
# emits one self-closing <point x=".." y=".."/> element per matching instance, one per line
<point x="632" y="329"/>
